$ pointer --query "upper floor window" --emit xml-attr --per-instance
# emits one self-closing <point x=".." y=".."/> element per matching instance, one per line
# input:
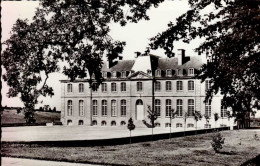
<point x="158" y="107"/>
<point x="139" y="86"/>
<point x="179" y="72"/>
<point x="81" y="88"/>
<point x="69" y="107"/>
<point x="207" y="85"/>
<point x="123" y="107"/>
<point x="69" y="88"/>
<point x="179" y="86"/>
<point x="190" y="107"/>
<point x="168" y="107"/>
<point x="95" y="108"/>
<point x="191" y="71"/>
<point x="179" y="107"/>
<point x="104" y="108"/>
<point x="168" y="85"/>
<point x="158" y="73"/>
<point x="208" y="108"/>
<point x="168" y="72"/>
<point x="157" y="86"/>
<point x="123" y="86"/>
<point x="104" y="87"/>
<point x="113" y="107"/>
<point x="190" y="85"/>
<point x="81" y="108"/>
<point x="95" y="87"/>
<point x="113" y="87"/>
<point x="123" y="74"/>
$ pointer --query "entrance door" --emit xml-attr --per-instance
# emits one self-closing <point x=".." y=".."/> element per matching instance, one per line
<point x="139" y="110"/>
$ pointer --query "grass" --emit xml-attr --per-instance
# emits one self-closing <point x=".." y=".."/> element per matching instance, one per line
<point x="11" y="117"/>
<point x="239" y="147"/>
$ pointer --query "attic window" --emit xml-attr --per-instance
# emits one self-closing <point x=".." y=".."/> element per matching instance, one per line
<point x="149" y="71"/>
<point x="158" y="73"/>
<point x="180" y="72"/>
<point x="104" y="74"/>
<point x="123" y="74"/>
<point x="191" y="71"/>
<point x="114" y="74"/>
<point x="169" y="72"/>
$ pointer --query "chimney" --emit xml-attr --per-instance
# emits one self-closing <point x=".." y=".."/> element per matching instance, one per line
<point x="181" y="56"/>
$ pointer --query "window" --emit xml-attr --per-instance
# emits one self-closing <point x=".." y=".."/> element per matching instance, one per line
<point x="114" y="74"/>
<point x="95" y="87"/>
<point x="157" y="124"/>
<point x="168" y="85"/>
<point x="223" y="112"/>
<point x="103" y="123"/>
<point x="207" y="126"/>
<point x="179" y="85"/>
<point x="69" y="107"/>
<point x="149" y="71"/>
<point x="179" y="72"/>
<point x="190" y="85"/>
<point x="168" y="107"/>
<point x="191" y="71"/>
<point x="179" y="107"/>
<point x="95" y="108"/>
<point x="113" y="87"/>
<point x="81" y="122"/>
<point x="81" y="108"/>
<point x="178" y="125"/>
<point x="139" y="86"/>
<point x="113" y="123"/>
<point x="208" y="108"/>
<point x="190" y="125"/>
<point x="122" y="123"/>
<point x="104" y="108"/>
<point x="81" y="88"/>
<point x="104" y="74"/>
<point x="69" y="122"/>
<point x="207" y="85"/>
<point x="158" y="107"/>
<point x="113" y="107"/>
<point x="104" y="87"/>
<point x="157" y="86"/>
<point x="167" y="125"/>
<point x="158" y="73"/>
<point x="94" y="122"/>
<point x="69" y="88"/>
<point x="123" y="74"/>
<point x="123" y="107"/>
<point x="190" y="107"/>
<point x="123" y="86"/>
<point x="169" y="73"/>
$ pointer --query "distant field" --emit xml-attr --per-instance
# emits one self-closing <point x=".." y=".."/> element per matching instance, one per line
<point x="11" y="117"/>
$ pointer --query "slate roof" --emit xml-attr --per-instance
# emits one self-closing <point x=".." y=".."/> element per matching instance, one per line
<point x="122" y="65"/>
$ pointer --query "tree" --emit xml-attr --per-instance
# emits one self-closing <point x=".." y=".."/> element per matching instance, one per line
<point x="207" y="118"/>
<point x="216" y="117"/>
<point x="173" y="114"/>
<point x="152" y="115"/>
<point x="185" y="119"/>
<point x="197" y="116"/>
<point x="41" y="109"/>
<point x="217" y="141"/>
<point x="130" y="127"/>
<point x="231" y="39"/>
<point x="54" y="109"/>
<point x="75" y="32"/>
<point x="50" y="110"/>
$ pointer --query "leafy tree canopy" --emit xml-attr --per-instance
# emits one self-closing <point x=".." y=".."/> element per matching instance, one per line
<point x="72" y="31"/>
<point x="231" y="32"/>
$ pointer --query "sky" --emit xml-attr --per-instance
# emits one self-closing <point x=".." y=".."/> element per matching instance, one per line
<point x="136" y="37"/>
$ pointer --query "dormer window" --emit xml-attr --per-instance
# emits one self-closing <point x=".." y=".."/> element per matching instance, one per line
<point x="123" y="74"/>
<point x="149" y="71"/>
<point x="114" y="74"/>
<point x="191" y="71"/>
<point x="104" y="74"/>
<point x="158" y="73"/>
<point x="169" y="73"/>
<point x="179" y="72"/>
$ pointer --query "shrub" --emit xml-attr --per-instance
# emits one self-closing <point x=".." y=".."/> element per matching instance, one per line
<point x="217" y="141"/>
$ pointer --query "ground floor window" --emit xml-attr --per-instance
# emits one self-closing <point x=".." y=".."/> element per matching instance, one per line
<point x="178" y="125"/>
<point x="81" y="122"/>
<point x="190" y="125"/>
<point x="113" y="123"/>
<point x="69" y="122"/>
<point x="94" y="122"/>
<point x="103" y="123"/>
<point x="167" y="125"/>
<point x="207" y="126"/>
<point x="122" y="123"/>
<point x="223" y="125"/>
<point x="157" y="125"/>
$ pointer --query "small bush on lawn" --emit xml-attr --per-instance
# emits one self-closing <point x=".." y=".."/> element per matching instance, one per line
<point x="217" y="141"/>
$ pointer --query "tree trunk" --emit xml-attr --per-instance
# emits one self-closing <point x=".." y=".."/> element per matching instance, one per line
<point x="130" y="138"/>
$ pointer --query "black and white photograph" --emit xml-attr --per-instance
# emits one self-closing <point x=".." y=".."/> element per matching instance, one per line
<point x="130" y="82"/>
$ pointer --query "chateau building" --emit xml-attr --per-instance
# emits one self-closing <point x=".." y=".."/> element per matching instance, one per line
<point x="128" y="90"/>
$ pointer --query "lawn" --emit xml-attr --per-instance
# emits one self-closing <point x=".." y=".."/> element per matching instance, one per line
<point x="239" y="147"/>
<point x="11" y="116"/>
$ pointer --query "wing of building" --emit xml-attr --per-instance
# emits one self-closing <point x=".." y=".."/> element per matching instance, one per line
<point x="128" y="90"/>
